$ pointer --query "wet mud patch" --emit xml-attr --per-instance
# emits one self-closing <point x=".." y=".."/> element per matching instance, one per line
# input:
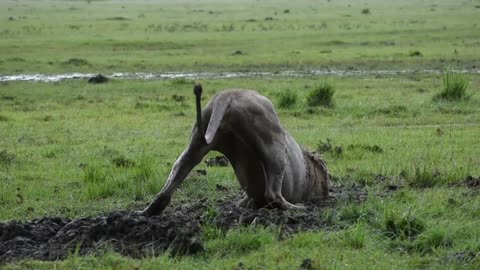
<point x="178" y="229"/>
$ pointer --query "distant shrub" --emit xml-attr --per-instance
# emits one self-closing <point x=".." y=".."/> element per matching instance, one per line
<point x="321" y="95"/>
<point x="365" y="11"/>
<point x="415" y="53"/>
<point x="287" y="99"/>
<point x="454" y="87"/>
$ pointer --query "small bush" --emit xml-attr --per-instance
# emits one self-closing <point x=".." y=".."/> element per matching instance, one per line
<point x="365" y="11"/>
<point x="321" y="95"/>
<point x="287" y="99"/>
<point x="454" y="87"/>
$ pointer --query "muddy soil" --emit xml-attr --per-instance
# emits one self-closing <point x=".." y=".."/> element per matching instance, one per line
<point x="177" y="229"/>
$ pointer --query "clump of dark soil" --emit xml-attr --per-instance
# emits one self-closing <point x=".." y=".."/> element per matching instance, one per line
<point x="220" y="161"/>
<point x="178" y="229"/>
<point x="469" y="182"/>
<point x="99" y="78"/>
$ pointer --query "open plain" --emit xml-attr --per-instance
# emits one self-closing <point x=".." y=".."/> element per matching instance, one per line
<point x="77" y="158"/>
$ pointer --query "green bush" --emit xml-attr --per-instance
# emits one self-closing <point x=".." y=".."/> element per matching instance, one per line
<point x="321" y="95"/>
<point x="287" y="99"/>
<point x="454" y="87"/>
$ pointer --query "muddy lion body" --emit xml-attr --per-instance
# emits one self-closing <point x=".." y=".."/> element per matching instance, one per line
<point x="270" y="166"/>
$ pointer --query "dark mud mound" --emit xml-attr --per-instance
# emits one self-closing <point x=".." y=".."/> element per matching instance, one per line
<point x="127" y="233"/>
<point x="99" y="78"/>
<point x="178" y="229"/>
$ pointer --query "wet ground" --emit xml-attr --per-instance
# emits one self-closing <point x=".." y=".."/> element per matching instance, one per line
<point x="177" y="229"/>
<point x="222" y="75"/>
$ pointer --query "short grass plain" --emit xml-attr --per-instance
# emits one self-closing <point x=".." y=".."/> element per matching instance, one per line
<point x="56" y="137"/>
<point x="215" y="35"/>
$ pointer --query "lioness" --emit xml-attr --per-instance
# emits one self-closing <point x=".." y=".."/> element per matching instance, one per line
<point x="270" y="166"/>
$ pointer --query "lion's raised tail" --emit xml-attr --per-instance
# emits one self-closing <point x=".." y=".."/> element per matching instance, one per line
<point x="197" y="90"/>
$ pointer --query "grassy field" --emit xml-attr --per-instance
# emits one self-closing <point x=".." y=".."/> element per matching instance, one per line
<point x="109" y="36"/>
<point x="75" y="149"/>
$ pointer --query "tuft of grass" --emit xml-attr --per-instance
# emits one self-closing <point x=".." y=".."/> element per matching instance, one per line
<point x="6" y="158"/>
<point x="415" y="54"/>
<point x="4" y="118"/>
<point x="287" y="99"/>
<point x="321" y="95"/>
<point x="455" y="87"/>
<point x="241" y="241"/>
<point x="355" y="237"/>
<point x="144" y="177"/>
<point x="98" y="182"/>
<point x="424" y="178"/>
<point x="403" y="226"/>
<point x="122" y="161"/>
<point x="354" y="212"/>
<point x="433" y="239"/>
<point x="366" y="11"/>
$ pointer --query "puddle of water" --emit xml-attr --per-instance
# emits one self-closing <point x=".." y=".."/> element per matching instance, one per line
<point x="220" y="75"/>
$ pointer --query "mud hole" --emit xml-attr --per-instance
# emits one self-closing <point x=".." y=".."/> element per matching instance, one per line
<point x="178" y="229"/>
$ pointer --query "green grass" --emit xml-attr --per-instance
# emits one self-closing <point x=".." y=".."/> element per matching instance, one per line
<point x="75" y="149"/>
<point x="108" y="36"/>
<point x="287" y="99"/>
